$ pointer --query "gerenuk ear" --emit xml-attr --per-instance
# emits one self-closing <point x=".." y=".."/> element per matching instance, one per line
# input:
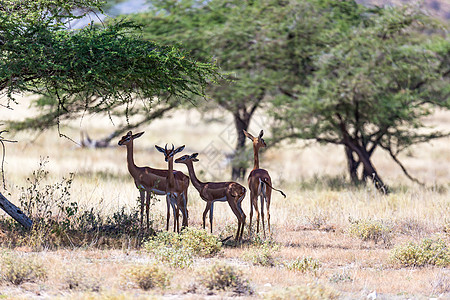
<point x="248" y="134"/>
<point x="261" y="134"/>
<point x="135" y="136"/>
<point x="160" y="149"/>
<point x="179" y="149"/>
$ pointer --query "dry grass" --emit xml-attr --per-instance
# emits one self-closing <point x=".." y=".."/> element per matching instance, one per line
<point x="311" y="222"/>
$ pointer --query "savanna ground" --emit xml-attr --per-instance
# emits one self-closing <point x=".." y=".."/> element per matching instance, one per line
<point x="329" y="240"/>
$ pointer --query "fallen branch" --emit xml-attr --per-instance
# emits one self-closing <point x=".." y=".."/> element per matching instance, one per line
<point x="15" y="212"/>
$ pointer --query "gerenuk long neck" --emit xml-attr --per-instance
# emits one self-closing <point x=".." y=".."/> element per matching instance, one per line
<point x="170" y="176"/>
<point x="255" y="157"/>
<point x="197" y="183"/>
<point x="132" y="168"/>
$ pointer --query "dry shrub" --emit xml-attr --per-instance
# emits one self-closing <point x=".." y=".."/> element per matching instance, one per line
<point x="148" y="276"/>
<point x="305" y="265"/>
<point x="76" y="279"/>
<point x="18" y="269"/>
<point x="371" y="230"/>
<point x="411" y="227"/>
<point x="306" y="292"/>
<point x="318" y="220"/>
<point x="340" y="277"/>
<point x="222" y="277"/>
<point x="58" y="221"/>
<point x="428" y="252"/>
<point x="440" y="284"/>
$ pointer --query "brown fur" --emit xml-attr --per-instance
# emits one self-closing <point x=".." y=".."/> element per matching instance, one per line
<point x="229" y="191"/>
<point x="148" y="180"/>
<point x="174" y="188"/>
<point x="260" y="184"/>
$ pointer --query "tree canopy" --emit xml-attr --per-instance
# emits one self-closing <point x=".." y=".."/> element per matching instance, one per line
<point x="90" y="70"/>
<point x="370" y="87"/>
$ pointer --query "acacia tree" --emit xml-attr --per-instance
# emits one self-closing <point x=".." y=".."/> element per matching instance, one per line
<point x="92" y="70"/>
<point x="370" y="89"/>
<point x="98" y="69"/>
<point x="234" y="33"/>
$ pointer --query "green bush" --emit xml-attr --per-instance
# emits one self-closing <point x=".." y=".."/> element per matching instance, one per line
<point x="262" y="255"/>
<point x="175" y="257"/>
<point x="305" y="265"/>
<point x="222" y="277"/>
<point x="370" y="230"/>
<point x="167" y="248"/>
<point x="307" y="292"/>
<point x="200" y="242"/>
<point x="19" y="269"/>
<point x="427" y="252"/>
<point x="179" y="250"/>
<point x="148" y="276"/>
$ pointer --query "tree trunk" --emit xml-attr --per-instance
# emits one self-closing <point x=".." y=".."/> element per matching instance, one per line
<point x="369" y="170"/>
<point x="366" y="175"/>
<point x="242" y="114"/>
<point x="15" y="212"/>
<point x="352" y="166"/>
<point x="238" y="170"/>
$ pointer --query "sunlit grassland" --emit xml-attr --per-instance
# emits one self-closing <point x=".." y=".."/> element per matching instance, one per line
<point x="312" y="221"/>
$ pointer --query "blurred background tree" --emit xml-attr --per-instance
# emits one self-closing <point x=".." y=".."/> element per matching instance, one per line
<point x="370" y="87"/>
